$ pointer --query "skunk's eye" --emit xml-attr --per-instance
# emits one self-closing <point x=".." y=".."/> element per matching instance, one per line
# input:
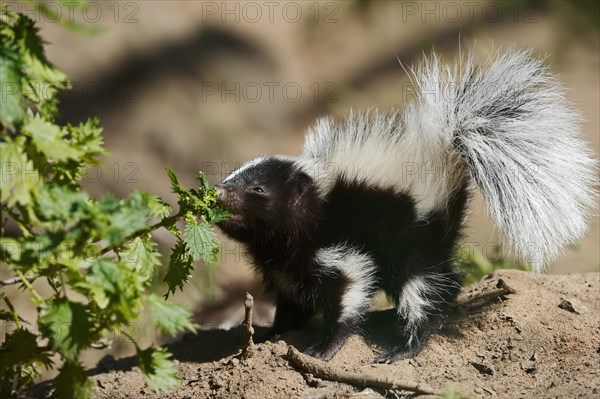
<point x="258" y="190"/>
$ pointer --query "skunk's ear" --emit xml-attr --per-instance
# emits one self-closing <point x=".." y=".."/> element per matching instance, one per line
<point x="300" y="184"/>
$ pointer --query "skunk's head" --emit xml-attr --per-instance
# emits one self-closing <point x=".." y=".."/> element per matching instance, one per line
<point x="266" y="196"/>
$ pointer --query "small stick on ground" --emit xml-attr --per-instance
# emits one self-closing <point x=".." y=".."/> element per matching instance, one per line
<point x="321" y="369"/>
<point x="507" y="288"/>
<point x="249" y="343"/>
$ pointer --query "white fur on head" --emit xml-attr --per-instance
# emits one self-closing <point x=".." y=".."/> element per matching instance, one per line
<point x="245" y="166"/>
<point x="359" y="270"/>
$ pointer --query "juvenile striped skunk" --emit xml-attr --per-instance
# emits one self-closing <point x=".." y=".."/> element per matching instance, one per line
<point x="377" y="202"/>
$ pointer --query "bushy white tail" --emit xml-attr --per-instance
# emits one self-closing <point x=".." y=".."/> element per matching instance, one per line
<point x="520" y="140"/>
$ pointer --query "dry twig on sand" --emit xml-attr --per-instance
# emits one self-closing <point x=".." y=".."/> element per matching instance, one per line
<point x="321" y="369"/>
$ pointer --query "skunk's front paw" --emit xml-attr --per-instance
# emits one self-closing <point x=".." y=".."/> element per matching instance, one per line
<point x="409" y="348"/>
<point x="321" y="351"/>
<point x="397" y="353"/>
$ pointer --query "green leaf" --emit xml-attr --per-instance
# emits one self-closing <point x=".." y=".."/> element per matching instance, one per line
<point x="158" y="368"/>
<point x="217" y="214"/>
<point x="43" y="79"/>
<point x="20" y="355"/>
<point x="61" y="203"/>
<point x="33" y="253"/>
<point x="19" y="346"/>
<point x="68" y="327"/>
<point x="88" y="137"/>
<point x="73" y="382"/>
<point x="18" y="176"/>
<point x="108" y="203"/>
<point x="157" y="207"/>
<point x="141" y="256"/>
<point x="126" y="218"/>
<point x="11" y="106"/>
<point x="49" y="139"/>
<point x="180" y="268"/>
<point x="170" y="317"/>
<point x="115" y="288"/>
<point x="36" y="64"/>
<point x="201" y="242"/>
<point x="175" y="186"/>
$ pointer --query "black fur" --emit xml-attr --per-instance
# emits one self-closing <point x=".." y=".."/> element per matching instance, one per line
<point x="284" y="226"/>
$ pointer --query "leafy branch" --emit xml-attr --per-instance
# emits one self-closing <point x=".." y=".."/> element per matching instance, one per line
<point x="99" y="248"/>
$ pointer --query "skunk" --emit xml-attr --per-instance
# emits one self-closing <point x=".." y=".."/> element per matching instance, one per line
<point x="377" y="202"/>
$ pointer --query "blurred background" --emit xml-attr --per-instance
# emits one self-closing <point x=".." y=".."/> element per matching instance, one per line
<point x="206" y="85"/>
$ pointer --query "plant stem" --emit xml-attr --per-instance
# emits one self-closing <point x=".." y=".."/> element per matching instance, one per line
<point x="18" y="221"/>
<point x="34" y="293"/>
<point x="137" y="348"/>
<point x="10" y="306"/>
<point x="163" y="223"/>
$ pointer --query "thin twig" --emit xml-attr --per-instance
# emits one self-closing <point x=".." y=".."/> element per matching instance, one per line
<point x="507" y="288"/>
<point x="11" y="281"/>
<point x="249" y="343"/>
<point x="321" y="369"/>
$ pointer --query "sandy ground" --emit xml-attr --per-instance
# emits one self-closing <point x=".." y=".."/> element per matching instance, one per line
<point x="541" y="342"/>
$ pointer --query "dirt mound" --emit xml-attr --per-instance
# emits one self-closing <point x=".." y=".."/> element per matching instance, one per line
<point x="541" y="341"/>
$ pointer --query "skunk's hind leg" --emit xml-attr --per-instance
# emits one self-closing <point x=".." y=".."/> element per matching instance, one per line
<point x="347" y="283"/>
<point x="422" y="305"/>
